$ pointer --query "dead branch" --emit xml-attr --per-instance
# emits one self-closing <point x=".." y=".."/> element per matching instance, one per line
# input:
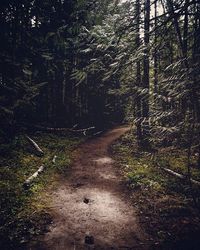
<point x="28" y="182"/>
<point x="64" y="129"/>
<point x="70" y="129"/>
<point x="98" y="133"/>
<point x="49" y="129"/>
<point x="180" y="176"/>
<point x="54" y="159"/>
<point x="84" y="130"/>
<point x="36" y="147"/>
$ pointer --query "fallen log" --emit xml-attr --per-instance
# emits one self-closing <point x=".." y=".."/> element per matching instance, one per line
<point x="49" y="129"/>
<point x="28" y="182"/>
<point x="180" y="176"/>
<point x="84" y="130"/>
<point x="70" y="129"/>
<point x="36" y="147"/>
<point x="73" y="130"/>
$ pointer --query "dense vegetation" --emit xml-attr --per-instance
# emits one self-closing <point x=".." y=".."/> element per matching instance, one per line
<point x="44" y="48"/>
<point x="86" y="63"/>
<point x="98" y="63"/>
<point x="165" y="203"/>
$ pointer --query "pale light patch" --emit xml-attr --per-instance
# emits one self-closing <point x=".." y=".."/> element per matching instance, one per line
<point x="104" y="160"/>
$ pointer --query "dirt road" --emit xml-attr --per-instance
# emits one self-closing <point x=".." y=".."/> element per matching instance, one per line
<point x="91" y="205"/>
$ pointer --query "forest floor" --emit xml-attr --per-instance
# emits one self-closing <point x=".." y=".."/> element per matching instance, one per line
<point x="92" y="204"/>
<point x="168" y="207"/>
<point x="112" y="196"/>
<point x="24" y="212"/>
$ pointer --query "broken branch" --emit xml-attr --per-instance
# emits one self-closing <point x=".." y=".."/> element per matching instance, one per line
<point x="28" y="182"/>
<point x="35" y="145"/>
<point x="54" y="159"/>
<point x="70" y="129"/>
<point x="180" y="176"/>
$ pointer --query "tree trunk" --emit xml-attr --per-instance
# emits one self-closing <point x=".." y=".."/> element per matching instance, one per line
<point x="155" y="51"/>
<point x="138" y="73"/>
<point x="146" y="74"/>
<point x="185" y="30"/>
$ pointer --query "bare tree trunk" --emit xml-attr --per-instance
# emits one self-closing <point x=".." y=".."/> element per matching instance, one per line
<point x="170" y="5"/>
<point x="155" y="51"/>
<point x="146" y="74"/>
<point x="185" y="30"/>
<point x="138" y="74"/>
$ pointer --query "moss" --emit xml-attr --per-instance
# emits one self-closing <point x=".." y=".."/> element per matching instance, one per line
<point x="164" y="202"/>
<point x="177" y="161"/>
<point x="141" y="169"/>
<point x="18" y="205"/>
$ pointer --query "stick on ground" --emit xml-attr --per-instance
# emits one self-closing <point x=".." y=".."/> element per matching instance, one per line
<point x="28" y="182"/>
<point x="180" y="176"/>
<point x="36" y="147"/>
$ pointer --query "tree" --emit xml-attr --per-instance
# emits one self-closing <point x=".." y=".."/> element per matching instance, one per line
<point x="138" y="73"/>
<point x="146" y="80"/>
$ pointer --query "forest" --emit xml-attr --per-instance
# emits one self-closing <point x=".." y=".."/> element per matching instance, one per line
<point x="70" y="72"/>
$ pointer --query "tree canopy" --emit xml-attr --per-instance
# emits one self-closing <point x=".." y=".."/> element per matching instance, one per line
<point x="94" y="63"/>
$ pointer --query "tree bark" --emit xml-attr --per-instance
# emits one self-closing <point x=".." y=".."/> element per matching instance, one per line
<point x="138" y="73"/>
<point x="145" y="103"/>
<point x="155" y="51"/>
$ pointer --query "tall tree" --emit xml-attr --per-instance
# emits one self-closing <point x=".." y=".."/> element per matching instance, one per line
<point x="146" y="73"/>
<point x="138" y="71"/>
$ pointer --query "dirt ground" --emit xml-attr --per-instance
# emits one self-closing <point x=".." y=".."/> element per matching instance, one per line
<point x="91" y="209"/>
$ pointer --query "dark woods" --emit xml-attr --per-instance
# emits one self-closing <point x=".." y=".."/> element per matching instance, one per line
<point x="93" y="63"/>
<point x="44" y="48"/>
<point x="67" y="66"/>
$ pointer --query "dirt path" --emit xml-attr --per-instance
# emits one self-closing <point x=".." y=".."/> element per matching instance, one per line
<point x="92" y="202"/>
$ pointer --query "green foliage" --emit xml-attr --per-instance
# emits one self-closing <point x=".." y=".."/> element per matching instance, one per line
<point x="144" y="170"/>
<point x="55" y="43"/>
<point x="164" y="203"/>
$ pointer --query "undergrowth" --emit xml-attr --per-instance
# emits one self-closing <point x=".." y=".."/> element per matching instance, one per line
<point x="165" y="203"/>
<point x="24" y="213"/>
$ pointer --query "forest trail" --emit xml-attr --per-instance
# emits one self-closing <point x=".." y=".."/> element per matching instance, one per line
<point x="93" y="201"/>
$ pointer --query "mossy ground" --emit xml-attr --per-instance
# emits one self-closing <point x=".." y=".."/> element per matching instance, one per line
<point x="165" y="204"/>
<point x="24" y="213"/>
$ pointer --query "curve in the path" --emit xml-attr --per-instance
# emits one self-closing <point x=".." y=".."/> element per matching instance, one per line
<point x="91" y="205"/>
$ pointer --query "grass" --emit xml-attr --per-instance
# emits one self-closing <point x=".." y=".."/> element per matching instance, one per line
<point x="24" y="213"/>
<point x="165" y="203"/>
<point x="177" y="161"/>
